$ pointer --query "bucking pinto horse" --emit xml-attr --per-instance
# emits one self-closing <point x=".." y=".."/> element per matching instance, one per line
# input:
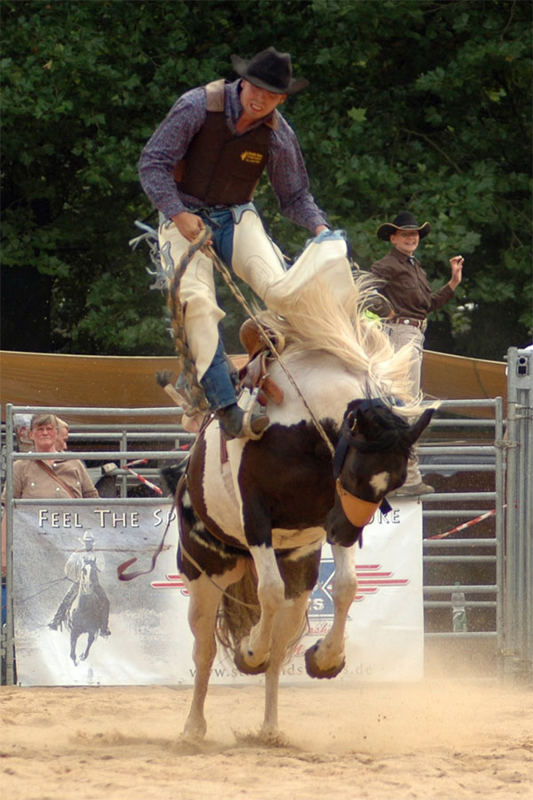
<point x="253" y="515"/>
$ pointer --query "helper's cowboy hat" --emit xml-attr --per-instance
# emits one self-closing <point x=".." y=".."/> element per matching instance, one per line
<point x="403" y="222"/>
<point x="269" y="70"/>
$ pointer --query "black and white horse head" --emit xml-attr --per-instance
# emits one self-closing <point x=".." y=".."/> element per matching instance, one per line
<point x="253" y="515"/>
<point x="370" y="461"/>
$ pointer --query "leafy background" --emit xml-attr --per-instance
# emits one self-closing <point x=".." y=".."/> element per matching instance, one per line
<point x="417" y="104"/>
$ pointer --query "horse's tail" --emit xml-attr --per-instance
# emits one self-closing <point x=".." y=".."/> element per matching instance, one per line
<point x="321" y="322"/>
<point x="239" y="610"/>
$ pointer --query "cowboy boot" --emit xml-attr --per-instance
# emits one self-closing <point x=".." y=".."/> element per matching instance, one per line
<point x="236" y="423"/>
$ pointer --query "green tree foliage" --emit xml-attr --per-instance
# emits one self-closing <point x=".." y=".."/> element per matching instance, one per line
<point x="417" y="104"/>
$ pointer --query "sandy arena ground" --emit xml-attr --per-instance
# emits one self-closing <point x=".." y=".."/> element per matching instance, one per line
<point x="436" y="739"/>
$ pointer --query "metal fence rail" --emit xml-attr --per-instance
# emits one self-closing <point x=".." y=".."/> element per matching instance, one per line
<point x="464" y="458"/>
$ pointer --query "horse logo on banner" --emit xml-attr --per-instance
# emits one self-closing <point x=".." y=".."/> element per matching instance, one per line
<point x="85" y="607"/>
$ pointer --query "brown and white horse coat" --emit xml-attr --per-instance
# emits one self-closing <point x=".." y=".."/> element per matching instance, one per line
<point x="262" y="510"/>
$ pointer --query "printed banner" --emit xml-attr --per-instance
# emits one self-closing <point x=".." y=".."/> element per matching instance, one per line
<point x="67" y="559"/>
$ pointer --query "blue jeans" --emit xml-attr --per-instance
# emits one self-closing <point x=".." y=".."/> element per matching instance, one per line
<point x="216" y="381"/>
<point x="221" y="222"/>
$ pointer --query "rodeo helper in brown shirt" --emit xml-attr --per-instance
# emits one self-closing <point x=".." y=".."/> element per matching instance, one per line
<point x="406" y="286"/>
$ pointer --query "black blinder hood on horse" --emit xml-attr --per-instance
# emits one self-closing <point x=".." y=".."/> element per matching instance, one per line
<point x="358" y="512"/>
<point x="367" y="427"/>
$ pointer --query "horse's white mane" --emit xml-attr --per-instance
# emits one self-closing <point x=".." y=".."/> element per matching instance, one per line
<point x="319" y="321"/>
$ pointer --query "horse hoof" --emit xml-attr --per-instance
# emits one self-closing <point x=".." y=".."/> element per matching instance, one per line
<point x="194" y="731"/>
<point x="246" y="668"/>
<point x="313" y="669"/>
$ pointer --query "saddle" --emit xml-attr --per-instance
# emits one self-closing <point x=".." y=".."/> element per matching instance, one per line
<point x="254" y="374"/>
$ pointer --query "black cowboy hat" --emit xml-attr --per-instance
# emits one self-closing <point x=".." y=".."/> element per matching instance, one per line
<point x="269" y="70"/>
<point x="405" y="221"/>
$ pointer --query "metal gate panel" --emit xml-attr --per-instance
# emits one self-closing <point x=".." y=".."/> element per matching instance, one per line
<point x="452" y="552"/>
<point x="518" y="577"/>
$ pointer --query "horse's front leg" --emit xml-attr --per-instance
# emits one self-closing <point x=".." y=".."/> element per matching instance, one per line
<point x="73" y="642"/>
<point x="255" y="648"/>
<point x="300" y="576"/>
<point x="90" y="640"/>
<point x="289" y="626"/>
<point x="325" y="659"/>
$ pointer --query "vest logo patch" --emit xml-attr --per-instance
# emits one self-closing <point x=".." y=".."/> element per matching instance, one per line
<point x="250" y="157"/>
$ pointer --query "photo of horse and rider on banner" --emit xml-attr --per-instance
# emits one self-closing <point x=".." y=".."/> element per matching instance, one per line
<point x="66" y="592"/>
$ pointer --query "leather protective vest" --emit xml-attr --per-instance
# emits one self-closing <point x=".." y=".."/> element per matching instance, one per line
<point x="220" y="168"/>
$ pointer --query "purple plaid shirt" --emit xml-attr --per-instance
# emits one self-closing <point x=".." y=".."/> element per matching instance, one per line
<point x="168" y="145"/>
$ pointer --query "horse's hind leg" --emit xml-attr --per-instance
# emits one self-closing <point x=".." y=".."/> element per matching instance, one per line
<point x="207" y="570"/>
<point x="203" y="607"/>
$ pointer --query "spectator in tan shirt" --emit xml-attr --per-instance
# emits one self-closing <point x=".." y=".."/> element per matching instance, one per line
<point x="47" y="479"/>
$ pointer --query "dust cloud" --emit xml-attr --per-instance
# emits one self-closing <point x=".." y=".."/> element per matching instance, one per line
<point x="446" y="739"/>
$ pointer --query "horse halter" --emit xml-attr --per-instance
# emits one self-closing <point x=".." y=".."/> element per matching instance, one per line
<point x="357" y="511"/>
